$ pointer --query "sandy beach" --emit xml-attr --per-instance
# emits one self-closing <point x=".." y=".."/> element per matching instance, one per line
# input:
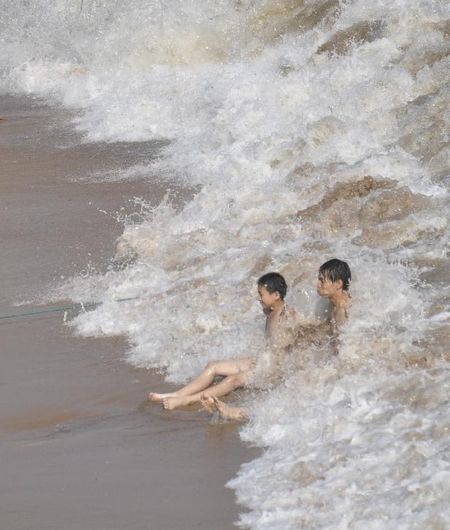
<point x="79" y="445"/>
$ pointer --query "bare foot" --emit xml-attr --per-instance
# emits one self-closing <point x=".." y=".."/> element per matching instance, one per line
<point x="208" y="403"/>
<point x="172" y="402"/>
<point x="153" y="396"/>
<point x="227" y="412"/>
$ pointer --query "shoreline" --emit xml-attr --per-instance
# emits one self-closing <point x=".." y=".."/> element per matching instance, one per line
<point x="81" y="445"/>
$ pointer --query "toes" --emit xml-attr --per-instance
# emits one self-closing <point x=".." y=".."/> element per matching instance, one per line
<point x="207" y="403"/>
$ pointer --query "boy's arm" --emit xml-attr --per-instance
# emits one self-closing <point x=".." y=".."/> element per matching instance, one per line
<point x="340" y="316"/>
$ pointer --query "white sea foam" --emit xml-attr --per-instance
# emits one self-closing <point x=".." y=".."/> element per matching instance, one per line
<point x="276" y="109"/>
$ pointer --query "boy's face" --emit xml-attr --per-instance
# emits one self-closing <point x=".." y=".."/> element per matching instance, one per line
<point x="267" y="299"/>
<point x="326" y="288"/>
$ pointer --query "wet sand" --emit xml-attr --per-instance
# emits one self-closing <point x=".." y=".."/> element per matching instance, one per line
<point x="79" y="445"/>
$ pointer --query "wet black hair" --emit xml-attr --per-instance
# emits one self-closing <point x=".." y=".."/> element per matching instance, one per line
<point x="274" y="283"/>
<point x="335" y="270"/>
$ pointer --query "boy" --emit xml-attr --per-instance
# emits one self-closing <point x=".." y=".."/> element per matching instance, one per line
<point x="333" y="283"/>
<point x="272" y="290"/>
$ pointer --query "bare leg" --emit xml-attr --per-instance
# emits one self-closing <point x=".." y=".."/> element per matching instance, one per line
<point x="206" y="378"/>
<point x="221" y="389"/>
<point x="225" y="411"/>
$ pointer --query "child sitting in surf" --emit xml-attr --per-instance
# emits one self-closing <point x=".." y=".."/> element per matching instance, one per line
<point x="333" y="283"/>
<point x="236" y="373"/>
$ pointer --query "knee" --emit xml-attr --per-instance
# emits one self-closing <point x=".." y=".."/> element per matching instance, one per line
<point x="211" y="368"/>
<point x="238" y="379"/>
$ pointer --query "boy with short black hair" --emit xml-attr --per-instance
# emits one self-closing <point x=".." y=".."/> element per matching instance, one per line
<point x="333" y="283"/>
<point x="272" y="290"/>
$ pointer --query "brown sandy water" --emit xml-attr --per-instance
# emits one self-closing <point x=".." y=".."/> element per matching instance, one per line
<point x="80" y="447"/>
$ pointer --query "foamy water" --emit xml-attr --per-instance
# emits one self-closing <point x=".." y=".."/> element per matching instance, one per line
<point x="313" y="130"/>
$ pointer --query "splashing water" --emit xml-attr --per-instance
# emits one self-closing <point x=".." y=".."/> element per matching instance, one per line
<point x="313" y="130"/>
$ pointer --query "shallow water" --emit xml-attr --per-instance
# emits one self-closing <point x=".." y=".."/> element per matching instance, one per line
<point x="80" y="445"/>
<point x="311" y="130"/>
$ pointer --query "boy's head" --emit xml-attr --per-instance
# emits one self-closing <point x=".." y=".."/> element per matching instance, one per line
<point x="333" y="275"/>
<point x="271" y="289"/>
